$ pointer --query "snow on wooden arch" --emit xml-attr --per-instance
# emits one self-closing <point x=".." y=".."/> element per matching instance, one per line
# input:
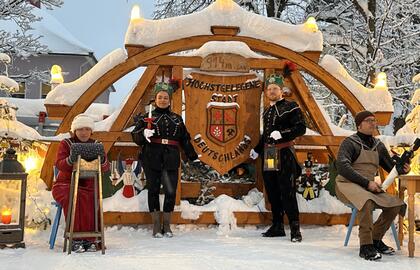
<point x="158" y="57"/>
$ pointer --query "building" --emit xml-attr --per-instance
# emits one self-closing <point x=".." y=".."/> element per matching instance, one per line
<point x="65" y="50"/>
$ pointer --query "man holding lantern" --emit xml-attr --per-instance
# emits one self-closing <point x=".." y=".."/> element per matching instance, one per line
<point x="283" y="122"/>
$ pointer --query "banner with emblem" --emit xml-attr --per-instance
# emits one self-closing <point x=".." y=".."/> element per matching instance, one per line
<point x="222" y="114"/>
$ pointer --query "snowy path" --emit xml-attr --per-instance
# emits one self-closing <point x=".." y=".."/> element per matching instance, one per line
<point x="202" y="248"/>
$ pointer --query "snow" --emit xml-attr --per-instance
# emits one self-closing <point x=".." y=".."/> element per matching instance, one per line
<point x="201" y="247"/>
<point x="223" y="13"/>
<point x="336" y="130"/>
<point x="32" y="107"/>
<point x="234" y="47"/>
<point x="68" y="93"/>
<point x="17" y="130"/>
<point x="5" y="58"/>
<point x="223" y="104"/>
<point x="9" y="84"/>
<point x="374" y="100"/>
<point x="52" y="33"/>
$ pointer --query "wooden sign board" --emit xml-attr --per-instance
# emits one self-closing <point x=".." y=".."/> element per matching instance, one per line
<point x="222" y="115"/>
<point x="224" y="62"/>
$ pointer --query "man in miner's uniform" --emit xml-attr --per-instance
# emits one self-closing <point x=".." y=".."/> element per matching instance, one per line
<point x="283" y="122"/>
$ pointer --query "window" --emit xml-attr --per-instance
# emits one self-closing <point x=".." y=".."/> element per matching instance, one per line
<point x="21" y="92"/>
<point x="45" y="89"/>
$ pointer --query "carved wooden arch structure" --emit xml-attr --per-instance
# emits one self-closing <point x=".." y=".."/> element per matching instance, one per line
<point x="158" y="57"/>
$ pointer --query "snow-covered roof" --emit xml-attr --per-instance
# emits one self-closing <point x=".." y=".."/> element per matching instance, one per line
<point x="53" y="34"/>
<point x="6" y="82"/>
<point x="69" y="93"/>
<point x="17" y="130"/>
<point x="374" y="100"/>
<point x="223" y="13"/>
<point x="234" y="47"/>
<point x="32" y="107"/>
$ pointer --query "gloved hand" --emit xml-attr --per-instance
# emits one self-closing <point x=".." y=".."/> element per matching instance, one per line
<point x="72" y="157"/>
<point x="148" y="133"/>
<point x="275" y="135"/>
<point x="253" y="155"/>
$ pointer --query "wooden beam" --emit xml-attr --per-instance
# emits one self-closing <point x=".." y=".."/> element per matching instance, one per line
<point x="242" y="218"/>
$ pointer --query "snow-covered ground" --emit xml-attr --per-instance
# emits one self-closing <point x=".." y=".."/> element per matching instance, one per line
<point x="195" y="247"/>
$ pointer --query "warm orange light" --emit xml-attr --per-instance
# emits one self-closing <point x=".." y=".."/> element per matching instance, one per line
<point x="135" y="13"/>
<point x="56" y="75"/>
<point x="381" y="81"/>
<point x="225" y="4"/>
<point x="311" y="25"/>
<point x="6" y="216"/>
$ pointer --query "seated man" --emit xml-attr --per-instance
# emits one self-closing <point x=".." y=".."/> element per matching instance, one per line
<point x="358" y="160"/>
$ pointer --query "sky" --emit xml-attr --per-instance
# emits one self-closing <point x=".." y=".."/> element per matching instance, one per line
<point x="101" y="25"/>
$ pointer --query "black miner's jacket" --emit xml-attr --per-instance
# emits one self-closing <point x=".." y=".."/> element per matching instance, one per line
<point x="287" y="118"/>
<point x="167" y="125"/>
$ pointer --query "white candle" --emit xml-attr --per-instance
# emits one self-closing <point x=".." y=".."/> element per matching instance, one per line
<point x="150" y="111"/>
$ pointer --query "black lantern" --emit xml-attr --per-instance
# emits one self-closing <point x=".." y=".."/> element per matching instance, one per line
<point x="12" y="201"/>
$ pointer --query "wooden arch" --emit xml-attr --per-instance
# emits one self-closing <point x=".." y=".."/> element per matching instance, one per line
<point x="157" y="56"/>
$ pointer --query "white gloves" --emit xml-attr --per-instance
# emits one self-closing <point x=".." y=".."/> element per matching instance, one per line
<point x="275" y="135"/>
<point x="253" y="155"/>
<point x="148" y="133"/>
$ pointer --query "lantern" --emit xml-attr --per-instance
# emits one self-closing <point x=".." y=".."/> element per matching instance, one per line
<point x="12" y="201"/>
<point x="381" y="81"/>
<point x="271" y="158"/>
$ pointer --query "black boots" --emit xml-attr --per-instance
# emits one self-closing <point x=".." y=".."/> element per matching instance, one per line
<point x="167" y="224"/>
<point x="157" y="228"/>
<point x="295" y="235"/>
<point x="276" y="230"/>
<point x="369" y="252"/>
<point x="382" y="248"/>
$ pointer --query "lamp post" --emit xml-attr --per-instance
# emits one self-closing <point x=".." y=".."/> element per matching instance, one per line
<point x="12" y="201"/>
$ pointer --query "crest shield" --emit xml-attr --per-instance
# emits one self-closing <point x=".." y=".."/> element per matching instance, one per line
<point x="222" y="115"/>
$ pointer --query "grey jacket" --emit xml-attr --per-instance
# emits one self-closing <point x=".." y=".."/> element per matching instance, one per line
<point x="349" y="151"/>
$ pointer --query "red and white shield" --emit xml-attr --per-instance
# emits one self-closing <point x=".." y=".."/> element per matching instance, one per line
<point x="222" y="122"/>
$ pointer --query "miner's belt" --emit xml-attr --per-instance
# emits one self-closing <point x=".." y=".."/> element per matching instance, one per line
<point x="280" y="145"/>
<point x="164" y="141"/>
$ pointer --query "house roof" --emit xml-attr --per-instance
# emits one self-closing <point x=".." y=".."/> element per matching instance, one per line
<point x="53" y="34"/>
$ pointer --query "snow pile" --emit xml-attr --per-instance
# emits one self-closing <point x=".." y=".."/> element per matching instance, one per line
<point x="234" y="47"/>
<point x="69" y="93"/>
<point x="223" y="13"/>
<point x="11" y="128"/>
<point x="17" y="130"/>
<point x="325" y="203"/>
<point x="119" y="203"/>
<point x="372" y="99"/>
<point x="8" y="84"/>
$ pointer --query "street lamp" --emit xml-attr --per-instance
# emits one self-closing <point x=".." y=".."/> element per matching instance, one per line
<point x="12" y="201"/>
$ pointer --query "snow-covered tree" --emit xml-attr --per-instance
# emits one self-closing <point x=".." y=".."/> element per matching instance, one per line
<point x="283" y="9"/>
<point x="20" y="43"/>
<point x="369" y="36"/>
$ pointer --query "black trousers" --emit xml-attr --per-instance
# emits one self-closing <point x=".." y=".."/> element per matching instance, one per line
<point x="281" y="192"/>
<point x="169" y="180"/>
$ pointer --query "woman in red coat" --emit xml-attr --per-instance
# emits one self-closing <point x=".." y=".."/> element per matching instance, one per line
<point x="81" y="130"/>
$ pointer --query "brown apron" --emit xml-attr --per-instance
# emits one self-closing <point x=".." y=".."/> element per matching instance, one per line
<point x="367" y="165"/>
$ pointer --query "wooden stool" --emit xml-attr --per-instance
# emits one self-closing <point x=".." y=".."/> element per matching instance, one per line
<point x="85" y="169"/>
